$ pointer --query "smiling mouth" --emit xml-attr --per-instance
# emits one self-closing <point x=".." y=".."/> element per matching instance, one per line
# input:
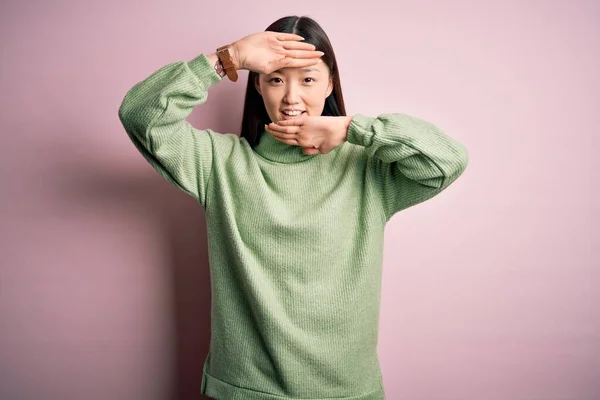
<point x="286" y="116"/>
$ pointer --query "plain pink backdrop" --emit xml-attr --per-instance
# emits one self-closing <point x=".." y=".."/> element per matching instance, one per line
<point x="489" y="290"/>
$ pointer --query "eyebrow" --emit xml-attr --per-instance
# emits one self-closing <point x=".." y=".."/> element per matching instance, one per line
<point x="302" y="70"/>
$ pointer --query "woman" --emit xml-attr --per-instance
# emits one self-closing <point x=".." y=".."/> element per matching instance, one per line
<point x="295" y="208"/>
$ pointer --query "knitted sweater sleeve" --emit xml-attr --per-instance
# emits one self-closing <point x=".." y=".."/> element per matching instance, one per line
<point x="153" y="114"/>
<point x="411" y="160"/>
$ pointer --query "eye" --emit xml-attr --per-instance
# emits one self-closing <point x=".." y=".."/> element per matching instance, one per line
<point x="311" y="80"/>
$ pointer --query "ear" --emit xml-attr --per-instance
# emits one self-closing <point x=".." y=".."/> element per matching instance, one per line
<point x="329" y="88"/>
<point x="256" y="84"/>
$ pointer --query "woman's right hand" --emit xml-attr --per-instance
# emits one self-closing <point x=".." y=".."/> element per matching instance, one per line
<point x="265" y="52"/>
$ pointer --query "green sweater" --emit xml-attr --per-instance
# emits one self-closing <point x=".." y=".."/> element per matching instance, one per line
<point x="295" y="241"/>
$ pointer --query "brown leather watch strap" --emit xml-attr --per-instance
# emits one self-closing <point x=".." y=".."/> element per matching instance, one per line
<point x="225" y="58"/>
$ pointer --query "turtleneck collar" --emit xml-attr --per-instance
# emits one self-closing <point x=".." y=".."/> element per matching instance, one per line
<point x="274" y="150"/>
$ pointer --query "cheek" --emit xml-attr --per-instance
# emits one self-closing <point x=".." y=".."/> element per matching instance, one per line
<point x="270" y="99"/>
<point x="269" y="102"/>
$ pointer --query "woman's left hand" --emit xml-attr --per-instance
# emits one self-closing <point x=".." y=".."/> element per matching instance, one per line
<point x="316" y="134"/>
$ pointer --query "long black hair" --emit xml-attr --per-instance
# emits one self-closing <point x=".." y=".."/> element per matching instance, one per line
<point x="255" y="115"/>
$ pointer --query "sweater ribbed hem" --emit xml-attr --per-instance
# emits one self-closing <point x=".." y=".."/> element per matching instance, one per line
<point x="220" y="390"/>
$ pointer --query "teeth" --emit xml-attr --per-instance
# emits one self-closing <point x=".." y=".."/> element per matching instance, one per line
<point x="292" y="112"/>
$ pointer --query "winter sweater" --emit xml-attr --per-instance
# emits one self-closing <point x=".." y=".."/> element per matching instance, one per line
<point x="295" y="241"/>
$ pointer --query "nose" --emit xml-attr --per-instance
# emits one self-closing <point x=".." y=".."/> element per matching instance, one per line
<point x="292" y="94"/>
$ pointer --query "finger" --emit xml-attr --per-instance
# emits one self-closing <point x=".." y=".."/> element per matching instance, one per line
<point x="290" y="45"/>
<point x="284" y="129"/>
<point x="304" y="54"/>
<point x="289" y="36"/>
<point x="298" y="121"/>
<point x="295" y="62"/>
<point x="282" y="138"/>
<point x="291" y="122"/>
<point x="282" y="135"/>
<point x="275" y="128"/>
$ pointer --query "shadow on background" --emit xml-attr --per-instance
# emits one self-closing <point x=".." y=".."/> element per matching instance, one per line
<point x="85" y="178"/>
<point x="182" y="223"/>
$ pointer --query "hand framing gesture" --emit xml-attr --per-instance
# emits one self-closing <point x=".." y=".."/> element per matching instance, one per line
<point x="316" y="134"/>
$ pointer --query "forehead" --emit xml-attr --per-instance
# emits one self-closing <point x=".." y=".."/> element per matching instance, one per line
<point x="301" y="70"/>
<point x="296" y="70"/>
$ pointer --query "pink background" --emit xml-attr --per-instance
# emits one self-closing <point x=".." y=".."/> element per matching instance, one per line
<point x="490" y="291"/>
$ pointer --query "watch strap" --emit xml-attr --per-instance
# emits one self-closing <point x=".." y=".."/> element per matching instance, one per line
<point x="225" y="58"/>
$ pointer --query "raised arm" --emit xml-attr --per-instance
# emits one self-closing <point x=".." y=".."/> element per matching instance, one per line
<point x="153" y="114"/>
<point x="411" y="159"/>
<point x="153" y="111"/>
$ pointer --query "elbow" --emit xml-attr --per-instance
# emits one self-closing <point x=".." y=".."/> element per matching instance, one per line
<point x="134" y="125"/>
<point x="125" y="112"/>
<point x="455" y="165"/>
<point x="459" y="159"/>
<point x="462" y="159"/>
<point x="132" y="118"/>
<point x="131" y="111"/>
<point x="122" y="116"/>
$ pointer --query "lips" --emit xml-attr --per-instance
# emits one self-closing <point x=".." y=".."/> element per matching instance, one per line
<point x="285" y="116"/>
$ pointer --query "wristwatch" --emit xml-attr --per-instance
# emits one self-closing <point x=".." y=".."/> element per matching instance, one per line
<point x="227" y="62"/>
